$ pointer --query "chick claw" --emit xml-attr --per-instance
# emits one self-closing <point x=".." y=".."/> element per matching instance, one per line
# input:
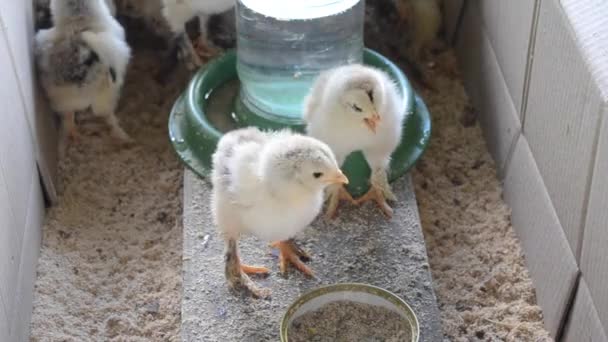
<point x="254" y="270"/>
<point x="341" y="194"/>
<point x="376" y="194"/>
<point x="289" y="252"/>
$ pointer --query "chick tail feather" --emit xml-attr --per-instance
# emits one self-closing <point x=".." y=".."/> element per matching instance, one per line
<point x="113" y="52"/>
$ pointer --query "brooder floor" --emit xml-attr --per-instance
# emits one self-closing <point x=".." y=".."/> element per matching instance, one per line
<point x="111" y="261"/>
<point x="110" y="265"/>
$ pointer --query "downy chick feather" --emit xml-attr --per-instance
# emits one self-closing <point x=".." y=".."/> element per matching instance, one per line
<point x="82" y="59"/>
<point x="265" y="184"/>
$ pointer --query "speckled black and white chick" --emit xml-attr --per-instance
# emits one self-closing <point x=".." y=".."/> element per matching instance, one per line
<point x="269" y="184"/>
<point x="82" y="61"/>
<point x="179" y="12"/>
<point x="42" y="8"/>
<point x="357" y="108"/>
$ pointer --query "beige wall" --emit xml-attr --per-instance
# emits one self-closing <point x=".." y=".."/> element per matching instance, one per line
<point x="27" y="152"/>
<point x="537" y="70"/>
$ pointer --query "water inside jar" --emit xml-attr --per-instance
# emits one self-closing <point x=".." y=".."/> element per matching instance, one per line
<point x="283" y="45"/>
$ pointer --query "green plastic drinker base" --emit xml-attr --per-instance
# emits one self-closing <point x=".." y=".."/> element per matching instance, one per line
<point x="195" y="138"/>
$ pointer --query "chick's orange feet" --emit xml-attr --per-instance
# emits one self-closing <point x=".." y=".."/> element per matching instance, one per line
<point x="290" y="253"/>
<point x="336" y="194"/>
<point x="377" y="195"/>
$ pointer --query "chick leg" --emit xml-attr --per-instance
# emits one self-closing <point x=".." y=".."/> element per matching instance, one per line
<point x="186" y="51"/>
<point x="104" y="106"/>
<point x="380" y="180"/>
<point x="116" y="131"/>
<point x="236" y="273"/>
<point x="202" y="45"/>
<point x="380" y="190"/>
<point x="376" y="195"/>
<point x="290" y="253"/>
<point x="69" y="126"/>
<point x="337" y="193"/>
<point x="204" y="49"/>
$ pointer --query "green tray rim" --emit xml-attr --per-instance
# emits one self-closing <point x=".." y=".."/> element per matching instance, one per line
<point x="188" y="115"/>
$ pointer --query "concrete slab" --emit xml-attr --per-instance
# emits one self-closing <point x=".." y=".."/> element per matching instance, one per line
<point x="360" y="246"/>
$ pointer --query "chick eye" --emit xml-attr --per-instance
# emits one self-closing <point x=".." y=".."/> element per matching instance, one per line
<point x="370" y="95"/>
<point x="357" y="108"/>
<point x="317" y="174"/>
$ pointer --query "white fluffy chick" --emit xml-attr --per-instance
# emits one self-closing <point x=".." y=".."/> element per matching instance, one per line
<point x="269" y="184"/>
<point x="82" y="61"/>
<point x="179" y="12"/>
<point x="357" y="108"/>
<point x="424" y="19"/>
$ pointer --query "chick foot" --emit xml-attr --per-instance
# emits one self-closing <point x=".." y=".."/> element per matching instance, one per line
<point x="289" y="252"/>
<point x="204" y="50"/>
<point x="337" y="193"/>
<point x="241" y="281"/>
<point x="187" y="53"/>
<point x="379" y="196"/>
<point x="121" y="137"/>
<point x="380" y="180"/>
<point x="236" y="273"/>
<point x="116" y="131"/>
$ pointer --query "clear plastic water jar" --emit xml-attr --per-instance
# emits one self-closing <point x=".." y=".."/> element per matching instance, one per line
<point x="282" y="45"/>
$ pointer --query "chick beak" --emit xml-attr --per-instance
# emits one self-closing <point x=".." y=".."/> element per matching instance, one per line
<point x="338" y="178"/>
<point x="372" y="122"/>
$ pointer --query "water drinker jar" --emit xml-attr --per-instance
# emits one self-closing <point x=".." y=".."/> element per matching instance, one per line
<point x="281" y="47"/>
